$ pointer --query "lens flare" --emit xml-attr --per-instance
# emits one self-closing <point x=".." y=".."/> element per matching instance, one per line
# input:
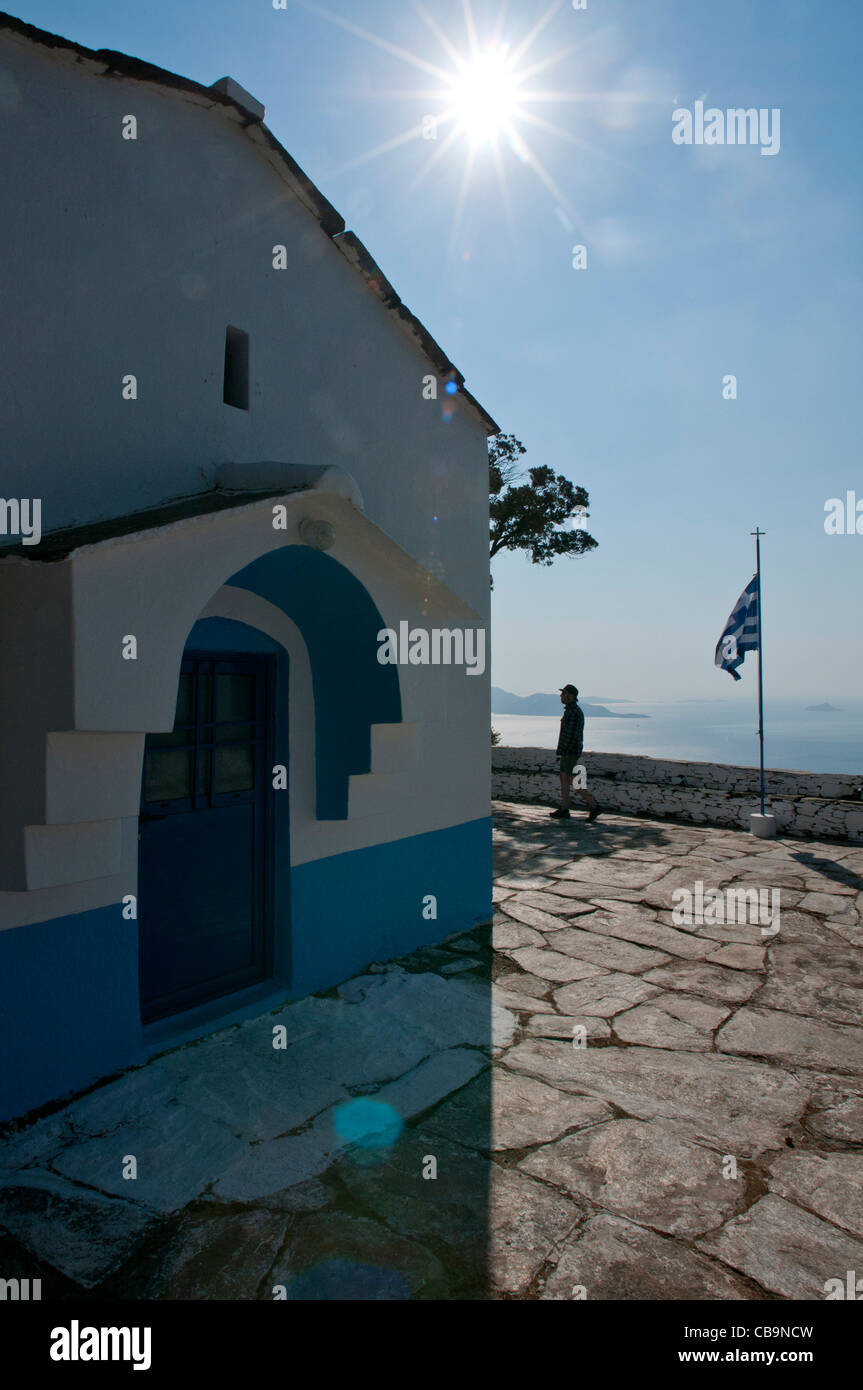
<point x="369" y="1124"/>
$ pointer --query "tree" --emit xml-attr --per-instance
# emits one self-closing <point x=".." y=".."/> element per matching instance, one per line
<point x="528" y="515"/>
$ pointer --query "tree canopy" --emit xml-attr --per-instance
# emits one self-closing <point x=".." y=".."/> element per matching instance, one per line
<point x="533" y="511"/>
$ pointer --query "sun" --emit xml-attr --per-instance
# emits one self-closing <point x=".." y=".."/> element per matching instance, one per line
<point x="483" y="96"/>
<point x="485" y="101"/>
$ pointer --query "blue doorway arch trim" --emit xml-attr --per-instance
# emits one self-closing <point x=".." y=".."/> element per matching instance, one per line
<point x="339" y="624"/>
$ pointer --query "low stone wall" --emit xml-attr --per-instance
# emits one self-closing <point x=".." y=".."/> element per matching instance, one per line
<point x="816" y="804"/>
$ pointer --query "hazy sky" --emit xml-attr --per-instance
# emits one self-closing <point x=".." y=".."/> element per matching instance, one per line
<point x="702" y="261"/>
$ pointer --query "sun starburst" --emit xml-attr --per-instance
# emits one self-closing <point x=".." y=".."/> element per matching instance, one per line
<point x="481" y="102"/>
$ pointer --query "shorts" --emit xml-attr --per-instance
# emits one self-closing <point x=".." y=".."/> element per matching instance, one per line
<point x="569" y="762"/>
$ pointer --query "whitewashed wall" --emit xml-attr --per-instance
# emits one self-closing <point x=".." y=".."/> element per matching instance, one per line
<point x="125" y="256"/>
<point x="133" y="256"/>
<point x="804" y="803"/>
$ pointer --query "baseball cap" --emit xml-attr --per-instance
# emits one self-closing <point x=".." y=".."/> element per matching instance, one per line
<point x="569" y="689"/>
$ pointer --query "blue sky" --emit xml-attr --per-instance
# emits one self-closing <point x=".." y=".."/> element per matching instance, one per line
<point x="702" y="261"/>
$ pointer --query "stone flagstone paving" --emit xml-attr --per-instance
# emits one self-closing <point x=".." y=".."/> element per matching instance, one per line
<point x="586" y="1099"/>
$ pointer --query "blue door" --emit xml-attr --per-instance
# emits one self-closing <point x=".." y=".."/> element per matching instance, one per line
<point x="203" y="862"/>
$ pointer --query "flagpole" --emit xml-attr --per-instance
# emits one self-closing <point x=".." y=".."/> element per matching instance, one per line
<point x="758" y="534"/>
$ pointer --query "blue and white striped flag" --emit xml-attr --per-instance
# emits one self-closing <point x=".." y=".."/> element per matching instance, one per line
<point x="741" y="631"/>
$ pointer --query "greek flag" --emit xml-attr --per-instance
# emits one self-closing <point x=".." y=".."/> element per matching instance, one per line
<point x="741" y="634"/>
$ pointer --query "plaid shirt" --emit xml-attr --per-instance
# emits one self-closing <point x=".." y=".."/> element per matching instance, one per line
<point x="571" y="729"/>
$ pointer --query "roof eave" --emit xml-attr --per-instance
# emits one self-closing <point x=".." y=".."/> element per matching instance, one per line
<point x="331" y="221"/>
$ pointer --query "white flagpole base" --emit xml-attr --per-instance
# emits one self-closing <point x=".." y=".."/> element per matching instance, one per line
<point x="762" y="826"/>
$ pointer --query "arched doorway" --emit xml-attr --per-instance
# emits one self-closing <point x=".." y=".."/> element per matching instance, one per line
<point x="204" y="868"/>
<point x="214" y="889"/>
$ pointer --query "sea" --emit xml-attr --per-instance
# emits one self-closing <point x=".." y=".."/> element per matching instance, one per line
<point x="712" y="731"/>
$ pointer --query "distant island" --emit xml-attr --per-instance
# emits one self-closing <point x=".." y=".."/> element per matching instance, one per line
<point x="503" y="702"/>
<point x="830" y="709"/>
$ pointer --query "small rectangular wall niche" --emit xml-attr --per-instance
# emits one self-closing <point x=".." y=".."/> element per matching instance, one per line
<point x="236" y="389"/>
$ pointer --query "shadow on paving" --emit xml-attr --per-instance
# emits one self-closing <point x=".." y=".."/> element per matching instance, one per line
<point x="527" y="833"/>
<point x="327" y="1168"/>
<point x="837" y="873"/>
<point x="343" y="1147"/>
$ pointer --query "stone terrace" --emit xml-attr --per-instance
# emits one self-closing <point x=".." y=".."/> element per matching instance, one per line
<point x="702" y="1143"/>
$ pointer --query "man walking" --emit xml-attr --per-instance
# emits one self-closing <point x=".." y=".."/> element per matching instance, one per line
<point x="569" y="747"/>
